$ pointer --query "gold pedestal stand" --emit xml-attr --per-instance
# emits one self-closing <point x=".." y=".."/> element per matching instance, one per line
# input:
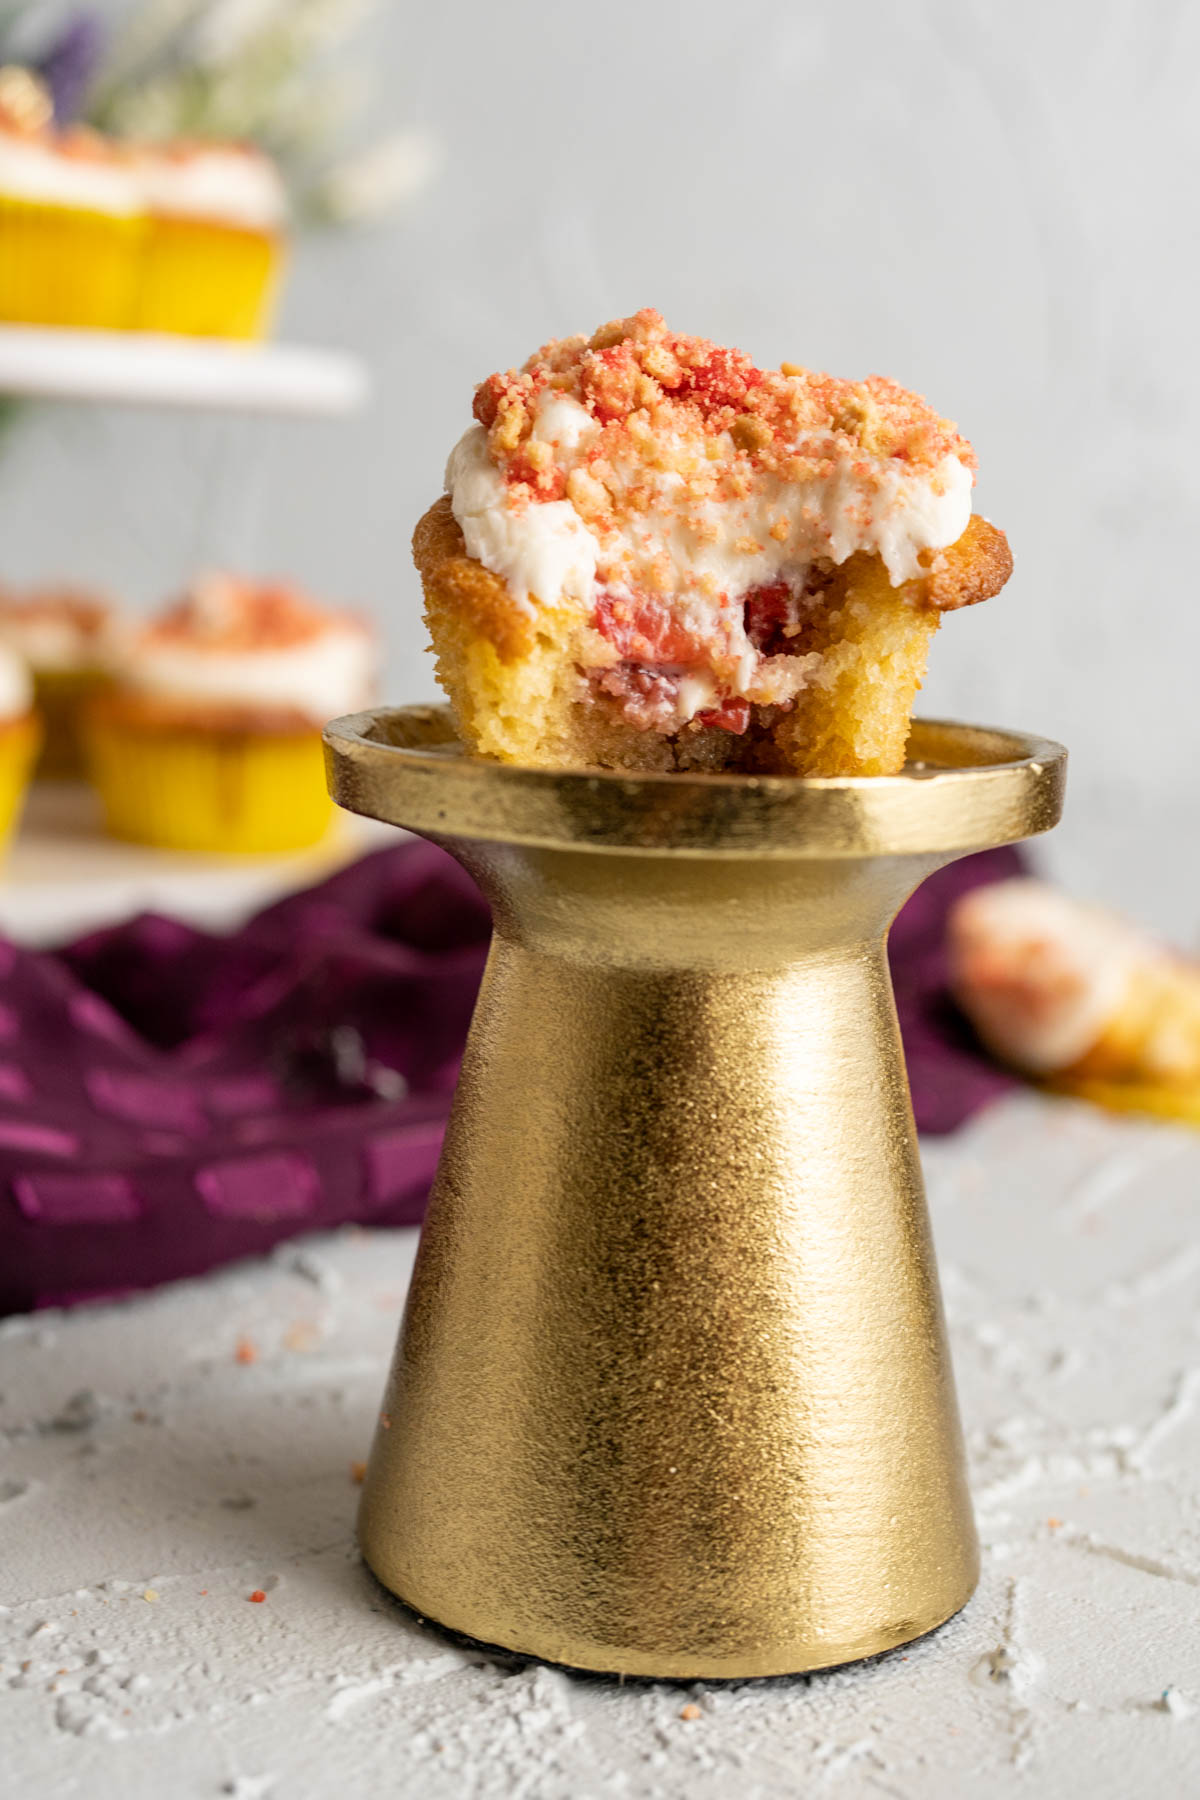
<point x="672" y="1395"/>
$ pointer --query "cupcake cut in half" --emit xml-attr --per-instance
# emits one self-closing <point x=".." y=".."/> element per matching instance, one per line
<point x="653" y="555"/>
<point x="210" y="739"/>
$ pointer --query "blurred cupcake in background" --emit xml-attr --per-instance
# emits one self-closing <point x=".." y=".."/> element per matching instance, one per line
<point x="20" y="735"/>
<point x="69" y="638"/>
<point x="1078" y="997"/>
<point x="210" y="738"/>
<point x="71" y="217"/>
<point x="214" y="239"/>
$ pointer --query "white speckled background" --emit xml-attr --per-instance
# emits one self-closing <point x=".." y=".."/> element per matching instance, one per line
<point x="153" y="1477"/>
<point x="992" y="202"/>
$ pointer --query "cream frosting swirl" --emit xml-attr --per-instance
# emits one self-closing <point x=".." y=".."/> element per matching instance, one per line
<point x="40" y="170"/>
<point x="60" y="630"/>
<point x="548" y="555"/>
<point x="16" y="685"/>
<point x="224" y="183"/>
<point x="259" y="646"/>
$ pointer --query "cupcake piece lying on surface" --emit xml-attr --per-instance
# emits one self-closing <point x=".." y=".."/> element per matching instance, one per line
<point x="71" y="218"/>
<point x="20" y="736"/>
<point x="654" y="555"/>
<point x="215" y="239"/>
<point x="69" y="638"/>
<point x="210" y="738"/>
<point x="1071" y="994"/>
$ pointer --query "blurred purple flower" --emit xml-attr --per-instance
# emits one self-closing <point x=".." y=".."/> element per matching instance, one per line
<point x="70" y="62"/>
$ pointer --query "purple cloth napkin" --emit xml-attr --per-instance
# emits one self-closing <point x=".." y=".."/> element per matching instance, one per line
<point x="949" y="1074"/>
<point x="172" y="1100"/>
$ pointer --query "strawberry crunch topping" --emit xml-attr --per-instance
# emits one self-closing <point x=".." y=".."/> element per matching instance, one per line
<point x="692" y="506"/>
<point x="666" y="397"/>
<point x="221" y="612"/>
<point x="84" y="612"/>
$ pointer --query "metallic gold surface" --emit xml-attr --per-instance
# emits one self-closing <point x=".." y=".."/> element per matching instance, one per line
<point x="672" y="1395"/>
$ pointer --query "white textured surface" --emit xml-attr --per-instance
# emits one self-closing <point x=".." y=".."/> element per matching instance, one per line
<point x="150" y="1481"/>
<point x="988" y="201"/>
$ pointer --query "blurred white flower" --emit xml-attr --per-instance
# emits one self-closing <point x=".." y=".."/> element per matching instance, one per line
<point x="378" y="180"/>
<point x="277" y="73"/>
<point x="224" y="30"/>
<point x="221" y="30"/>
<point x="144" y="35"/>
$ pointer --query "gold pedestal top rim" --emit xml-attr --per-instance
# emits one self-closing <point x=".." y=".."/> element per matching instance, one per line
<point x="965" y="787"/>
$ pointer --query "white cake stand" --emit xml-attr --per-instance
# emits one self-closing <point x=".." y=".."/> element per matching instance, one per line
<point x="62" y="875"/>
<point x="146" y="369"/>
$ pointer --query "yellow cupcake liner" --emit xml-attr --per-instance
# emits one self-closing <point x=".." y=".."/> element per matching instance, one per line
<point x="61" y="696"/>
<point x="19" y="743"/>
<point x="64" y="265"/>
<point x="183" y="788"/>
<point x="1181" y="1104"/>
<point x="207" y="280"/>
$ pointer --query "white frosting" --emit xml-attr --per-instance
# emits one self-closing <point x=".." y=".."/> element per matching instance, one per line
<point x="894" y="514"/>
<point x="321" y="678"/>
<point x="719" y="550"/>
<point x="218" y="183"/>
<point x="1040" y="975"/>
<point x="54" y="641"/>
<point x="232" y="187"/>
<point x="16" y="687"/>
<point x="30" y="170"/>
<point x="697" y="692"/>
<point x="905" y="513"/>
<point x="544" y="552"/>
<point x="561" y="421"/>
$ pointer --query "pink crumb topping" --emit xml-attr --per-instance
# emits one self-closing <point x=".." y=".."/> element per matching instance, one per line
<point x="230" y="613"/>
<point x="641" y="382"/>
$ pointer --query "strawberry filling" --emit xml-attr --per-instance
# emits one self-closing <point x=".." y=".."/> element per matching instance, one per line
<point x="769" y="612"/>
<point x="645" y="631"/>
<point x="648" y="697"/>
<point x="733" y="714"/>
<point x="657" y="650"/>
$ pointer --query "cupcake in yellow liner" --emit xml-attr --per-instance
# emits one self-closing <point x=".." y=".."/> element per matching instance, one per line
<point x="1078" y="998"/>
<point x="214" y="240"/>
<point x="71" y="218"/>
<point x="20" y="736"/>
<point x="70" y="640"/>
<point x="210" y="737"/>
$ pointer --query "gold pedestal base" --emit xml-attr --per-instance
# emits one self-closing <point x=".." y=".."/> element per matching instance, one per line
<point x="672" y="1395"/>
